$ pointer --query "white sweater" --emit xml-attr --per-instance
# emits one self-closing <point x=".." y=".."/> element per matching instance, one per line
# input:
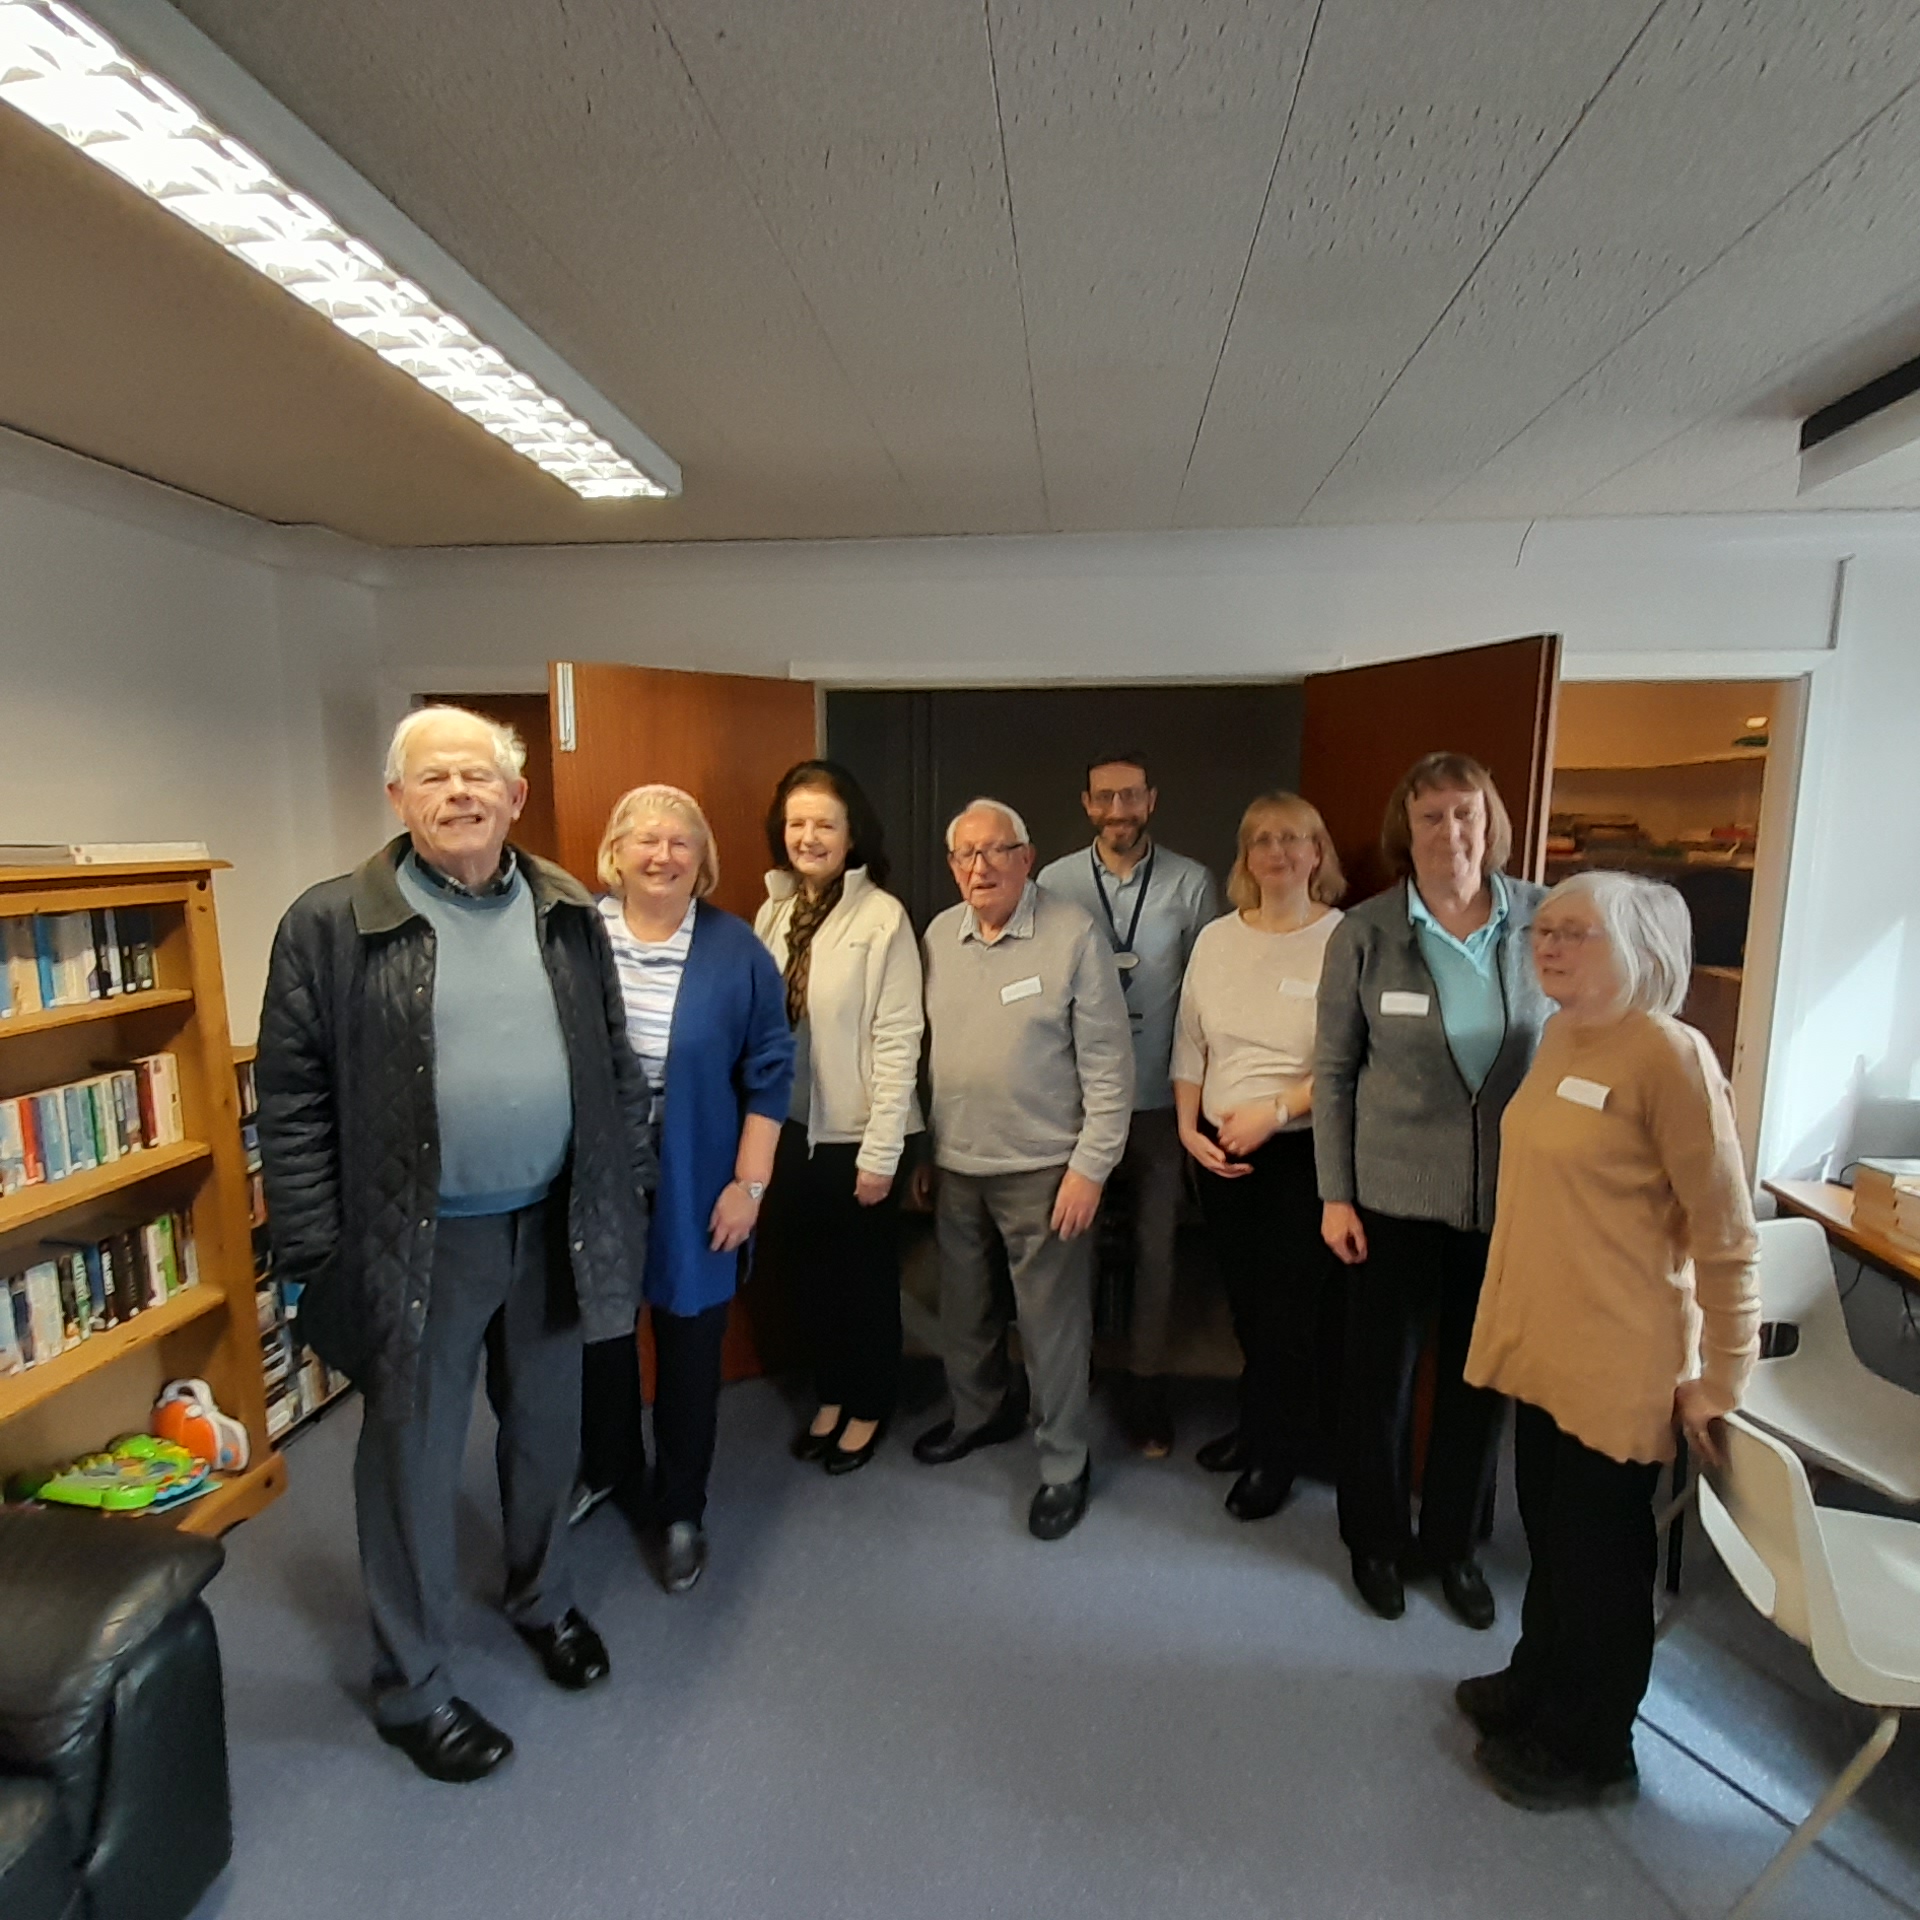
<point x="864" y="1017"/>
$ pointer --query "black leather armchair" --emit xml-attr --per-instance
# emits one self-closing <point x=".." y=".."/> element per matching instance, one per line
<point x="113" y="1745"/>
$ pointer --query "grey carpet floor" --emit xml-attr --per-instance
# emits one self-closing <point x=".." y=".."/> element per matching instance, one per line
<point x="886" y="1700"/>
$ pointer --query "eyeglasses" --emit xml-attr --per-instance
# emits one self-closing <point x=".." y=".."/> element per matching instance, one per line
<point x="1279" y="842"/>
<point x="1563" y="936"/>
<point x="1118" y="796"/>
<point x="996" y="855"/>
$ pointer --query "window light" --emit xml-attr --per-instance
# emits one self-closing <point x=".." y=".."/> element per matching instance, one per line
<point x="60" y="70"/>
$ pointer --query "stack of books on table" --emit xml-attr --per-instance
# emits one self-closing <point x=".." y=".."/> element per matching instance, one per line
<point x="52" y="960"/>
<point x="1886" y="1200"/>
<point x="61" y="1131"/>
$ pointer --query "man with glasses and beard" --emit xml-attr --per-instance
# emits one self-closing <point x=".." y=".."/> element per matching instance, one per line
<point x="1031" y="1071"/>
<point x="1149" y="903"/>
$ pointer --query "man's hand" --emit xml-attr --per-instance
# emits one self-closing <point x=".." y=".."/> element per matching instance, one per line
<point x="1696" y="1415"/>
<point x="920" y="1187"/>
<point x="733" y="1219"/>
<point x="871" y="1188"/>
<point x="1245" y="1130"/>
<point x="1340" y="1228"/>
<point x="1074" y="1206"/>
<point x="1210" y="1156"/>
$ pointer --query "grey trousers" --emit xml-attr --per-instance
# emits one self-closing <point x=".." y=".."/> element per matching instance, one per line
<point x="1052" y="1301"/>
<point x="1154" y="1170"/>
<point x="494" y="1290"/>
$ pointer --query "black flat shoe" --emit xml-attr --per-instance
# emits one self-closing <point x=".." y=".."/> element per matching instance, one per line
<point x="1494" y="1704"/>
<point x="574" y="1656"/>
<point x="808" y="1445"/>
<point x="1464" y="1588"/>
<point x="851" y="1460"/>
<point x="1259" y="1493"/>
<point x="1526" y="1774"/>
<point x="683" y="1556"/>
<point x="1379" y="1585"/>
<point x="1057" y="1510"/>
<point x="454" y="1743"/>
<point x="1228" y="1454"/>
<point x="939" y="1446"/>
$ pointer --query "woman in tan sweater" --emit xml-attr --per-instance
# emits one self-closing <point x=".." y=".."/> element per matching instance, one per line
<point x="1619" y="1305"/>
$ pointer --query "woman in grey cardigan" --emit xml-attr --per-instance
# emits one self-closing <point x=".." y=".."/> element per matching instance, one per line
<point x="1429" y="1014"/>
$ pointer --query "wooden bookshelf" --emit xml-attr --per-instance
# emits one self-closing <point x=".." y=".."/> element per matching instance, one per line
<point x="79" y="1400"/>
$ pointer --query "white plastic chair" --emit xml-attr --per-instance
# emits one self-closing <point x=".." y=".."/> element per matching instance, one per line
<point x="1820" y="1399"/>
<point x="1845" y="1585"/>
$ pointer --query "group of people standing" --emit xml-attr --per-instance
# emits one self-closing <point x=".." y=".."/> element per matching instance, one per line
<point x="497" y="1113"/>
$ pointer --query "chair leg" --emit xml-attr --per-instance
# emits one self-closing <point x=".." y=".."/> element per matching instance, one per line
<point x="1808" y="1831"/>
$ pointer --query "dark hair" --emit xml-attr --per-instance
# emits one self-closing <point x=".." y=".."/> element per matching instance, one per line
<point x="1127" y="759"/>
<point x="1452" y="772"/>
<point x="866" y="841"/>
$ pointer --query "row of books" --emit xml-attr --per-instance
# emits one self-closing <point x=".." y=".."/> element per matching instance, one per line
<point x="67" y="959"/>
<point x="90" y="1123"/>
<point x="1886" y="1199"/>
<point x="70" y="1290"/>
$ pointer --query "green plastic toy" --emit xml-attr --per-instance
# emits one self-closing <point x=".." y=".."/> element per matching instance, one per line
<point x="137" y="1474"/>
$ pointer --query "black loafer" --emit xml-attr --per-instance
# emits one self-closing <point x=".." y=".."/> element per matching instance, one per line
<point x="1057" y="1510"/>
<point x="683" y="1556"/>
<point x="1380" y="1586"/>
<point x="1464" y="1588"/>
<point x="940" y="1446"/>
<point x="1259" y="1493"/>
<point x="453" y="1743"/>
<point x="852" y="1459"/>
<point x="1527" y="1774"/>
<point x="574" y="1656"/>
<point x="1227" y="1454"/>
<point x="808" y="1445"/>
<point x="1494" y="1704"/>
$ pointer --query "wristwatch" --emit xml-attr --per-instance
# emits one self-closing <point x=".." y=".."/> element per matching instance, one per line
<point x="755" y="1188"/>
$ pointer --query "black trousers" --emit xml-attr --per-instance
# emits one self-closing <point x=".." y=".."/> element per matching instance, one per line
<point x="686" y="1414"/>
<point x="844" y="1263"/>
<point x="1417" y="1273"/>
<point x="1281" y="1285"/>
<point x="1586" y="1627"/>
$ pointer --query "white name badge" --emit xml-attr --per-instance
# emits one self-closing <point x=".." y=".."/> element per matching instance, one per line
<point x="1299" y="989"/>
<point x="1019" y="990"/>
<point x="1413" y="1003"/>
<point x="1583" y="1093"/>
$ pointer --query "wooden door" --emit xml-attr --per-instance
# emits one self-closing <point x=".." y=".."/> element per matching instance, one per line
<point x="725" y="738"/>
<point x="1365" y="726"/>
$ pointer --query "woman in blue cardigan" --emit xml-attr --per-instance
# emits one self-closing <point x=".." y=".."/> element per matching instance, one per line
<point x="706" y="1013"/>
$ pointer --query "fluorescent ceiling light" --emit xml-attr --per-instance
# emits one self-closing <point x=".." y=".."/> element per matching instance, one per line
<point x="61" y="70"/>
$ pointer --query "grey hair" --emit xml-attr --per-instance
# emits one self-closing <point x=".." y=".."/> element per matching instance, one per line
<point x="1021" y="837"/>
<point x="509" y="750"/>
<point x="1649" y="929"/>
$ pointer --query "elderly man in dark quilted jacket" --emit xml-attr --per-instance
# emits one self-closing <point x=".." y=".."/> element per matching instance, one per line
<point x="457" y="1157"/>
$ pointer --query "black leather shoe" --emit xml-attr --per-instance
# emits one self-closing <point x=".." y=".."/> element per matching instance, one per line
<point x="1464" y="1588"/>
<point x="940" y="1446"/>
<point x="1380" y="1586"/>
<point x="808" y="1445"/>
<point x="1259" y="1493"/>
<point x="1057" y="1510"/>
<point x="572" y="1653"/>
<point x="1527" y="1774"/>
<point x="683" y="1556"/>
<point x="852" y="1459"/>
<point x="453" y="1743"/>
<point x="1228" y="1454"/>
<point x="1493" y="1703"/>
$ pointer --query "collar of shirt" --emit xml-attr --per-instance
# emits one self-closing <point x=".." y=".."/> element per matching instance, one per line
<point x="1114" y="880"/>
<point x="502" y="881"/>
<point x="674" y="947"/>
<point x="1019" y="927"/>
<point x="1475" y="945"/>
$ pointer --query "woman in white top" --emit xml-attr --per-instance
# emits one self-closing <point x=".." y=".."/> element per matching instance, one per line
<point x="1243" y="1090"/>
<point x="851" y="965"/>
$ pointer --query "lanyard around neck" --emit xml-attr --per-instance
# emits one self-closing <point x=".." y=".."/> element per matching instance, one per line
<point x="1122" y="944"/>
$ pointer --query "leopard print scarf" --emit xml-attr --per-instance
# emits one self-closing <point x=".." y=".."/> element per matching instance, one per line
<point x="810" y="911"/>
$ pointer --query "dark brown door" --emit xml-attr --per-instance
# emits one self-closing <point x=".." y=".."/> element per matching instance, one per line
<point x="725" y="738"/>
<point x="1365" y="726"/>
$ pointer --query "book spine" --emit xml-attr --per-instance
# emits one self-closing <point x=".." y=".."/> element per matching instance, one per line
<point x="12" y="1359"/>
<point x="71" y="1322"/>
<point x="143" y="1081"/>
<point x="20" y="1298"/>
<point x="13" y="1148"/>
<point x="154" y="1262"/>
<point x="99" y="979"/>
<point x="189" y="1247"/>
<point x="50" y="1111"/>
<point x="23" y="966"/>
<point x="75" y="948"/>
<point x="109" y="934"/>
<point x="106" y="1131"/>
<point x="126" y="1086"/>
<point x="79" y="1116"/>
<point x="97" y="1309"/>
<point x="30" y="1139"/>
<point x="44" y="959"/>
<point x="144" y="966"/>
<point x="43" y="1302"/>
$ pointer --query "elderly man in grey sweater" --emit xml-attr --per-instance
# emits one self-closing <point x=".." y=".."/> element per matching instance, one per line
<point x="1032" y="1081"/>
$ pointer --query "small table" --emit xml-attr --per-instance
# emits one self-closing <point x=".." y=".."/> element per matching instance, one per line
<point x="1832" y="1206"/>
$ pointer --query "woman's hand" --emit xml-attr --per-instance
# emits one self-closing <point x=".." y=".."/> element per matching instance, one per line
<point x="734" y="1216"/>
<point x="871" y="1188"/>
<point x="1696" y="1417"/>
<point x="1340" y="1228"/>
<point x="1245" y="1130"/>
<point x="920" y="1184"/>
<point x="1210" y="1156"/>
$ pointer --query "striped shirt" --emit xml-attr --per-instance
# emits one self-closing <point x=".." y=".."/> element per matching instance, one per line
<point x="649" y="985"/>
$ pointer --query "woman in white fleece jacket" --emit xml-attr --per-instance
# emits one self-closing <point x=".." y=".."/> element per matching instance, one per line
<point x="852" y="969"/>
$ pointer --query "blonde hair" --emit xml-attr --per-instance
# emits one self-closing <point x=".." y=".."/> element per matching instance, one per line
<point x="1450" y="772"/>
<point x="648" y="803"/>
<point x="509" y="750"/>
<point x="1648" y="928"/>
<point x="1328" y="882"/>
